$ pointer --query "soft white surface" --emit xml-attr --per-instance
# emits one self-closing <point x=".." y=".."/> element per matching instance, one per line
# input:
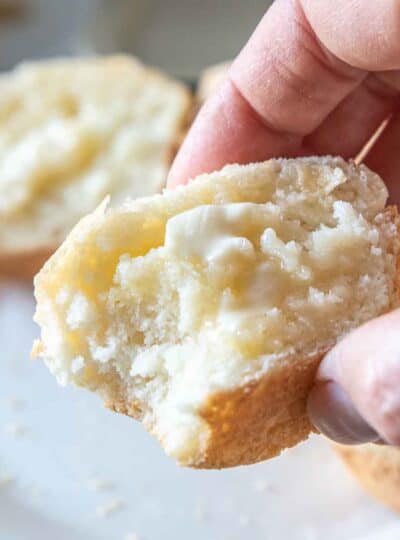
<point x="74" y="462"/>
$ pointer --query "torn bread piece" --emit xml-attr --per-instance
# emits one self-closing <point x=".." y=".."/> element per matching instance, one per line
<point x="204" y="312"/>
<point x="377" y="468"/>
<point x="71" y="132"/>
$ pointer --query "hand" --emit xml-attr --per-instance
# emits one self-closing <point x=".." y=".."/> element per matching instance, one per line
<point x="319" y="77"/>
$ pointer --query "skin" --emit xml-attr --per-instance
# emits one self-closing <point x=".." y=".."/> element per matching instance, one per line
<point x="319" y="77"/>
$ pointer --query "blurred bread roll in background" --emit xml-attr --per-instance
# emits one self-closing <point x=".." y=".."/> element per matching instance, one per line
<point x="377" y="468"/>
<point x="204" y="312"/>
<point x="71" y="132"/>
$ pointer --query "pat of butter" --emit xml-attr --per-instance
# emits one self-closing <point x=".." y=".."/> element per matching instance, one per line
<point x="254" y="267"/>
<point x="211" y="232"/>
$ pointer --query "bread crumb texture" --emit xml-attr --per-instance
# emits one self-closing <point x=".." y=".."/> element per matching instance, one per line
<point x="204" y="311"/>
<point x="74" y="131"/>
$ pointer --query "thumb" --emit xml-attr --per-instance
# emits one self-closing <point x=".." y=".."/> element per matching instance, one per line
<point x="356" y="395"/>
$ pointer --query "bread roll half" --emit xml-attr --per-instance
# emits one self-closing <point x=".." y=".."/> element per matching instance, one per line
<point x="203" y="312"/>
<point x="71" y="132"/>
<point x="377" y="468"/>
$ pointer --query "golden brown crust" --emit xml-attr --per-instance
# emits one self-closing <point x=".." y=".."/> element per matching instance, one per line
<point x="258" y="421"/>
<point x="132" y="408"/>
<point x="254" y="422"/>
<point x="392" y="215"/>
<point x="24" y="265"/>
<point x="377" y="468"/>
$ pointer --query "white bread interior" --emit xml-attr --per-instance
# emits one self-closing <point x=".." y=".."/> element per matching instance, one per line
<point x="204" y="311"/>
<point x="73" y="131"/>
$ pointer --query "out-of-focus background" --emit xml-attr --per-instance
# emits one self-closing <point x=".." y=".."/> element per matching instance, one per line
<point x="179" y="36"/>
<point x="71" y="470"/>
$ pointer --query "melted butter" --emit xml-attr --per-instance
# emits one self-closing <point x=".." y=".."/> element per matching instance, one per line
<point x="234" y="240"/>
<point x="262" y="275"/>
<point x="229" y="239"/>
<point x="212" y="232"/>
<point x="257" y="267"/>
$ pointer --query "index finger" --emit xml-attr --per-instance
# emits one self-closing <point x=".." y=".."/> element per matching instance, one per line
<point x="279" y="89"/>
<point x="303" y="60"/>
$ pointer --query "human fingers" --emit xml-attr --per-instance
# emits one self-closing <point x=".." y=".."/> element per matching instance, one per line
<point x="364" y="34"/>
<point x="304" y="59"/>
<point x="280" y="88"/>
<point x="351" y="125"/>
<point x="356" y="396"/>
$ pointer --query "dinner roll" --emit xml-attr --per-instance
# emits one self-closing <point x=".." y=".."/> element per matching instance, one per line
<point x="204" y="312"/>
<point x="71" y="132"/>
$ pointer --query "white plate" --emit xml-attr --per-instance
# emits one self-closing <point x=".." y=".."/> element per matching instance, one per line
<point x="60" y="445"/>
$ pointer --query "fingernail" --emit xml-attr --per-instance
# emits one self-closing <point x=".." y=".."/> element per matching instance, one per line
<point x="332" y="412"/>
